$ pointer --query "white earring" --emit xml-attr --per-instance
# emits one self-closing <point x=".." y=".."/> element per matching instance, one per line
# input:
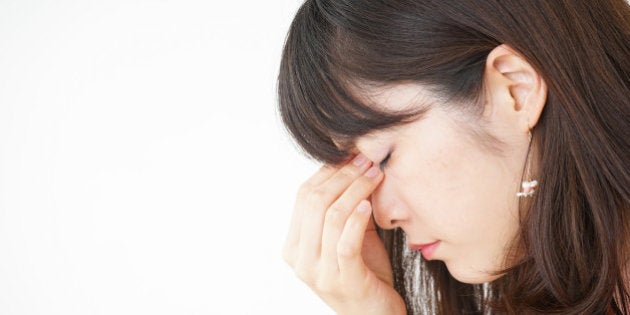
<point x="528" y="186"/>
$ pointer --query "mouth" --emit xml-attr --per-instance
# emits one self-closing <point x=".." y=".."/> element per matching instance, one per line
<point x="427" y="249"/>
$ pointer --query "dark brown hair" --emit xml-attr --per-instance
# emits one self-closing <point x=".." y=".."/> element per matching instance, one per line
<point x="575" y="232"/>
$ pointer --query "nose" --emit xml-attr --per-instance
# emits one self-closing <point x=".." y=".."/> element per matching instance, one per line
<point x="389" y="210"/>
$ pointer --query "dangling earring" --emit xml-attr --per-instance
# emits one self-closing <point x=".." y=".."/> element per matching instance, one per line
<point x="528" y="187"/>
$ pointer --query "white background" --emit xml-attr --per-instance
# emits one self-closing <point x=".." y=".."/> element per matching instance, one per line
<point x="143" y="166"/>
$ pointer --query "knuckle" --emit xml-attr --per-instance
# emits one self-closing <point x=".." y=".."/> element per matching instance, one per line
<point x="317" y="195"/>
<point x="304" y="272"/>
<point x="304" y="190"/>
<point x="345" y="250"/>
<point x="334" y="214"/>
<point x="328" y="168"/>
<point x="348" y="172"/>
<point x="324" y="284"/>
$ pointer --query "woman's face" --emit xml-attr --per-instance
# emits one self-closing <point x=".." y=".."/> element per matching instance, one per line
<point x="442" y="184"/>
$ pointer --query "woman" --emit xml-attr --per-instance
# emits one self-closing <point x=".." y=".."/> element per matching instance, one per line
<point x="489" y="137"/>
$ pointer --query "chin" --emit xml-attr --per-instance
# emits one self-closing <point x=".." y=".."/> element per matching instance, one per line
<point x="471" y="276"/>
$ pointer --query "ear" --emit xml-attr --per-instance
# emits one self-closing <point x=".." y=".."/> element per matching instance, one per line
<point x="516" y="92"/>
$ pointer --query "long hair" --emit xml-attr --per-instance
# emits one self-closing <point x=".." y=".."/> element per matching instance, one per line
<point x="575" y="232"/>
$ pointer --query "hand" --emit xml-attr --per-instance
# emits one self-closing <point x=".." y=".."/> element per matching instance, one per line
<point x="332" y="243"/>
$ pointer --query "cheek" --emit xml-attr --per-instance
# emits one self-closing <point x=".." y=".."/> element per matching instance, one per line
<point x="457" y="192"/>
<point x="458" y="200"/>
<point x="436" y="182"/>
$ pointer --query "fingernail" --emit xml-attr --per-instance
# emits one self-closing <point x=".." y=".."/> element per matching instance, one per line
<point x="359" y="160"/>
<point x="364" y="206"/>
<point x="372" y="172"/>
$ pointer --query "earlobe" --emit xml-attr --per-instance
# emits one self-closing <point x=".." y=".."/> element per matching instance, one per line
<point x="521" y="84"/>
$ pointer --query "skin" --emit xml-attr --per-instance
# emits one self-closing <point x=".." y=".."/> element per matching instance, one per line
<point x="441" y="183"/>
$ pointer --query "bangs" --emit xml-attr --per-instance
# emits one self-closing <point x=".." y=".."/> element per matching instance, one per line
<point x="315" y="89"/>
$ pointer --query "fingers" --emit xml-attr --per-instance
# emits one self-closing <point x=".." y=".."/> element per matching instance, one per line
<point x="293" y="236"/>
<point x="327" y="236"/>
<point x="318" y="199"/>
<point x="351" y="265"/>
<point x="338" y="215"/>
<point x="334" y="186"/>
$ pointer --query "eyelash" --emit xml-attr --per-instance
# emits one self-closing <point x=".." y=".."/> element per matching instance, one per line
<point x="383" y="163"/>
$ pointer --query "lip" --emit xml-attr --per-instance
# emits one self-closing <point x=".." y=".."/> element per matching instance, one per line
<point x="427" y="249"/>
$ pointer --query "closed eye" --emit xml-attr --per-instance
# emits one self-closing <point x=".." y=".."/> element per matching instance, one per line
<point x="384" y="161"/>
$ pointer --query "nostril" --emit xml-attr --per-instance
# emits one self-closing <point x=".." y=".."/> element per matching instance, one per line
<point x="382" y="219"/>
